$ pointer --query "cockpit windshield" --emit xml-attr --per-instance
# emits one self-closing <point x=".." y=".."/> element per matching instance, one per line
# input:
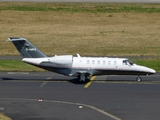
<point x="127" y="62"/>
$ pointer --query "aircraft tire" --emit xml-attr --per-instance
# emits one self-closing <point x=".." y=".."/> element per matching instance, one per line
<point x="139" y="79"/>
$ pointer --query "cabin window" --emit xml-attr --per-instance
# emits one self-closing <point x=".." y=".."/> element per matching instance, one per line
<point x="88" y="61"/>
<point x="93" y="61"/>
<point x="104" y="62"/>
<point x="98" y="62"/>
<point x="109" y="62"/>
<point x="115" y="62"/>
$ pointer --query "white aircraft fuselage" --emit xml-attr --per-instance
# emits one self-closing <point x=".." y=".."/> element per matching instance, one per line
<point x="85" y="66"/>
<point x="78" y="66"/>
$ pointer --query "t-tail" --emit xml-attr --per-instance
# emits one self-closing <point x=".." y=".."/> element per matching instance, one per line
<point x="25" y="48"/>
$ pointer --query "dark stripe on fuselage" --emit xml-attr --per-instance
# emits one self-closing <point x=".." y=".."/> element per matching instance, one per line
<point x="121" y="72"/>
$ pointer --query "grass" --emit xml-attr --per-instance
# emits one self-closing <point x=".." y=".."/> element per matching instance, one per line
<point x="17" y="65"/>
<point x="82" y="7"/>
<point x="88" y="34"/>
<point x="154" y="64"/>
<point x="90" y="29"/>
<point x="124" y="29"/>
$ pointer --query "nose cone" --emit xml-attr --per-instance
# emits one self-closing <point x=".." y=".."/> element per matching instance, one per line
<point x="151" y="71"/>
<point x="146" y="70"/>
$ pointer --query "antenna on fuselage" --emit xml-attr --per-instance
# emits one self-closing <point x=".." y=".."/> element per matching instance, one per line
<point x="78" y="55"/>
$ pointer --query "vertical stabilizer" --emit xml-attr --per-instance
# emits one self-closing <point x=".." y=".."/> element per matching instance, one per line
<point x="26" y="49"/>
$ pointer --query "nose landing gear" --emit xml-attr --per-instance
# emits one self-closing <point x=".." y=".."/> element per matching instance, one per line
<point x="138" y="79"/>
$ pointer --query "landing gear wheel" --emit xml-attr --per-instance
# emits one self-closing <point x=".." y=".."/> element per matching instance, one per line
<point x="82" y="77"/>
<point x="139" y="79"/>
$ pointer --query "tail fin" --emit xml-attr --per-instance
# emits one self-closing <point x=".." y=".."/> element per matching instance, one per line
<point x="25" y="48"/>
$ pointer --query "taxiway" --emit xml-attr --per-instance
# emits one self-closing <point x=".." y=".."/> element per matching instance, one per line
<point x="46" y="95"/>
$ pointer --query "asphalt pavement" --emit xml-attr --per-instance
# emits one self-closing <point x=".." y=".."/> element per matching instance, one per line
<point x="48" y="96"/>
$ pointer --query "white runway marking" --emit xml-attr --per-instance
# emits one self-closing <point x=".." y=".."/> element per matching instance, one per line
<point x="26" y="73"/>
<point x="71" y="103"/>
<point x="43" y="84"/>
<point x="1" y="108"/>
<point x="49" y="78"/>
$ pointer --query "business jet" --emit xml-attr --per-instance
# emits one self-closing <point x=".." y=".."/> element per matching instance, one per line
<point x="78" y="66"/>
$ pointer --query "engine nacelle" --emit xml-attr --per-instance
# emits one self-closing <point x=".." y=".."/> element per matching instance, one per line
<point x="62" y="60"/>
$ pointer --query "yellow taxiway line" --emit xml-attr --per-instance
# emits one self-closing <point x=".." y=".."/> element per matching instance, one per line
<point x="88" y="84"/>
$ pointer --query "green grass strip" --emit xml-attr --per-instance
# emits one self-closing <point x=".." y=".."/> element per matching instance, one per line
<point x="81" y="7"/>
<point x="18" y="65"/>
<point x="154" y="64"/>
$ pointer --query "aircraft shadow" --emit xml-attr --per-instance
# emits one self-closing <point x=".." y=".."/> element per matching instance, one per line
<point x="76" y="81"/>
<point x="73" y="80"/>
<point x="9" y="78"/>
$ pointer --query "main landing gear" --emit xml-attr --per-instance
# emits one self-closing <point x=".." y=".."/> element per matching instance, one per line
<point x="138" y="79"/>
<point x="82" y="77"/>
